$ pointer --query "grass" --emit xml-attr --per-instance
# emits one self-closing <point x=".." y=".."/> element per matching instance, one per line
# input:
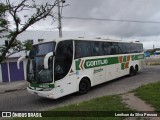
<point x="106" y="103"/>
<point x="150" y="93"/>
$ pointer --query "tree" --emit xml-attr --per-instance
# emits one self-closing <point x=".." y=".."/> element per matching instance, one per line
<point x="3" y="20"/>
<point x="14" y="10"/>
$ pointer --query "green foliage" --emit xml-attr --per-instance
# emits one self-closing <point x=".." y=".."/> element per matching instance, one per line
<point x="2" y="10"/>
<point x="3" y="20"/>
<point x="150" y="93"/>
<point x="27" y="45"/>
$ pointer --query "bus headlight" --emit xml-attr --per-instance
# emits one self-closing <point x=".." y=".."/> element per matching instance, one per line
<point x="50" y="96"/>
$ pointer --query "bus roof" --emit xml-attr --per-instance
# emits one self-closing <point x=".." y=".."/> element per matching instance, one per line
<point x="85" y="39"/>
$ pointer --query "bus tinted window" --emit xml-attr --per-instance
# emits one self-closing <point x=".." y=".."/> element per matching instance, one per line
<point x="140" y="48"/>
<point x="42" y="49"/>
<point x="122" y="48"/>
<point x="128" y="47"/>
<point x="132" y="47"/>
<point x="82" y="49"/>
<point x="63" y="59"/>
<point x="97" y="49"/>
<point x="106" y="48"/>
<point x="115" y="49"/>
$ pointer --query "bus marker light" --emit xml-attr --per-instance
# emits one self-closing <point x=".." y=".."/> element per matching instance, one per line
<point x="35" y="93"/>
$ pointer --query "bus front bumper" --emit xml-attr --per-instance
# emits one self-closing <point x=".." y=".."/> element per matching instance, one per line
<point x="46" y="94"/>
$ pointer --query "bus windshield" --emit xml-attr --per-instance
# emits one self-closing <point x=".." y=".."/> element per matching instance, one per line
<point x="35" y="66"/>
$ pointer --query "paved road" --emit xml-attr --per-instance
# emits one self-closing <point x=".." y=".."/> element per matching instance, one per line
<point x="22" y="101"/>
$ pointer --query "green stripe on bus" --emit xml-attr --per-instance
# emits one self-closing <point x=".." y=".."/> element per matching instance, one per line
<point x="42" y="85"/>
<point x="91" y="63"/>
<point x="122" y="66"/>
<point x="124" y="58"/>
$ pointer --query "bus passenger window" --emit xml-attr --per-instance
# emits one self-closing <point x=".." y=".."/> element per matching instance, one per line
<point x="106" y="48"/>
<point x="78" y="52"/>
<point x="82" y="49"/>
<point x="96" y="48"/>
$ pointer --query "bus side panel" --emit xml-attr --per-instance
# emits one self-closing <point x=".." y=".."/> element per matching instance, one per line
<point x="85" y="73"/>
<point x="110" y="72"/>
<point x="65" y="86"/>
<point x="68" y="84"/>
<point x="99" y="75"/>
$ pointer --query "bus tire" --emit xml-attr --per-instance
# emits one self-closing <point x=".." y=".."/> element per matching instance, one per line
<point x="131" y="71"/>
<point x="84" y="86"/>
<point x="136" y="69"/>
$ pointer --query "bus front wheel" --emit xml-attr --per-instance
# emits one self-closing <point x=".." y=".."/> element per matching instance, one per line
<point x="84" y="86"/>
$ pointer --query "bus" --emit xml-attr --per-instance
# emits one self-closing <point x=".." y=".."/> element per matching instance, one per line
<point x="64" y="66"/>
<point x="157" y="53"/>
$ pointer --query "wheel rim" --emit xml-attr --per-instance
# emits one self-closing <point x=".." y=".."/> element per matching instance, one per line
<point x="83" y="86"/>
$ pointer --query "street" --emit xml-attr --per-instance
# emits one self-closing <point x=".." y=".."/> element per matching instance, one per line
<point x="23" y="101"/>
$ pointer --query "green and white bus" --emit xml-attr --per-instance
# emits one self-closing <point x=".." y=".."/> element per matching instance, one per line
<point x="64" y="66"/>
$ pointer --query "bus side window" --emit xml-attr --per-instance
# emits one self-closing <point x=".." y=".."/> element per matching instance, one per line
<point x="122" y="48"/>
<point x="106" y="48"/>
<point x="113" y="50"/>
<point x="125" y="48"/>
<point x="139" y="47"/>
<point x="135" y="50"/>
<point x="96" y="48"/>
<point x="128" y="49"/>
<point x="82" y="49"/>
<point x="78" y="52"/>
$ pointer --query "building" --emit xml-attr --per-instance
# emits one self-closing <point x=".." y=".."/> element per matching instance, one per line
<point x="9" y="71"/>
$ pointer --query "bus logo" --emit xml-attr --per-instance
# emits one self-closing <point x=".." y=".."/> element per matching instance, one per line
<point x="90" y="63"/>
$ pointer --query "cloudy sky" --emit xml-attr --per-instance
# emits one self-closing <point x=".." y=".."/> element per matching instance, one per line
<point x="132" y="10"/>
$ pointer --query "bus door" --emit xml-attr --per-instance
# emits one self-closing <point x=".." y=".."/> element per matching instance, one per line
<point x="64" y="81"/>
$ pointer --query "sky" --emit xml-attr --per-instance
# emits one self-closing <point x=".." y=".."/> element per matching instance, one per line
<point x="132" y="10"/>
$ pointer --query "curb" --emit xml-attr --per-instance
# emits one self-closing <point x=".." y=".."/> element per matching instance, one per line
<point x="12" y="90"/>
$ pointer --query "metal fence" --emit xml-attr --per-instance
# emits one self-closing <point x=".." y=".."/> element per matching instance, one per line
<point x="152" y="61"/>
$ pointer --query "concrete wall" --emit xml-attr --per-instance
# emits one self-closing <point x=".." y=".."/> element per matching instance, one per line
<point x="152" y="61"/>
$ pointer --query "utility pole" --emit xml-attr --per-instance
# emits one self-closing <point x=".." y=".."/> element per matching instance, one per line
<point x="59" y="20"/>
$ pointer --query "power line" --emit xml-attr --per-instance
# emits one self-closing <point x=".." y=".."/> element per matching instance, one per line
<point x="110" y="20"/>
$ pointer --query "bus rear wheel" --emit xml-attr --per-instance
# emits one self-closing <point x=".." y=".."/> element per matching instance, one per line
<point x="84" y="86"/>
<point x="131" y="72"/>
<point x="136" y="68"/>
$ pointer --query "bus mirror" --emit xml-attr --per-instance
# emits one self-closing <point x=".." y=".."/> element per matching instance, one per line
<point x="46" y="58"/>
<point x="19" y="60"/>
